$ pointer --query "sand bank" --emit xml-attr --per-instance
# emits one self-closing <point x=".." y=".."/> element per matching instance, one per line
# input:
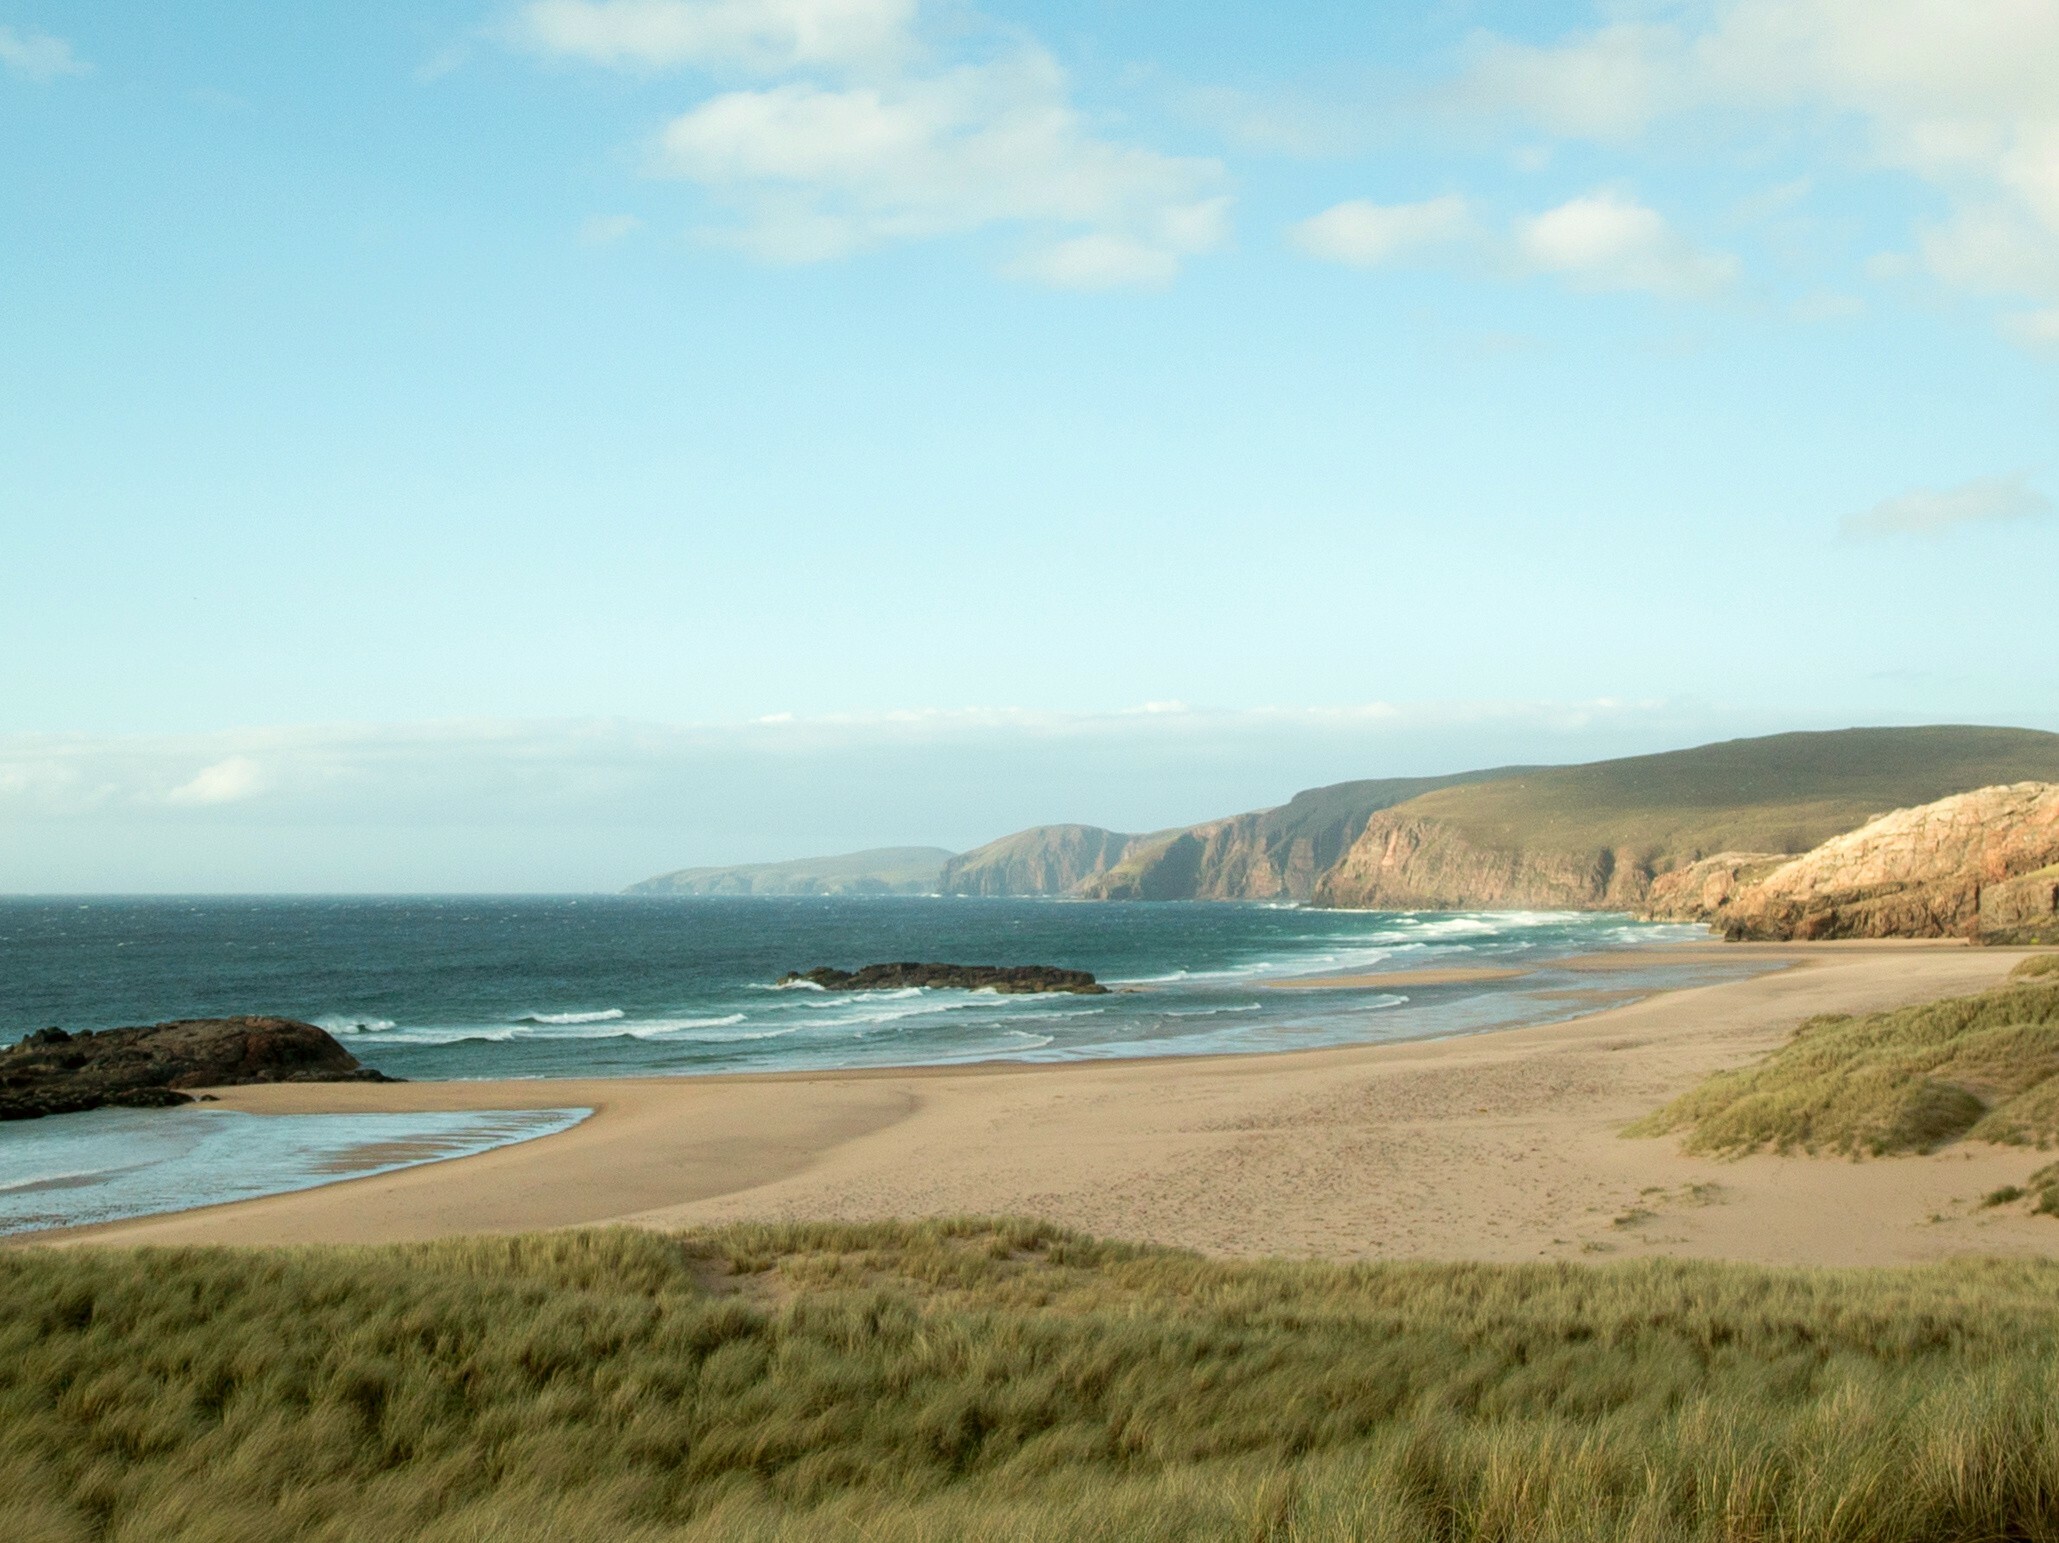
<point x="1490" y="1146"/>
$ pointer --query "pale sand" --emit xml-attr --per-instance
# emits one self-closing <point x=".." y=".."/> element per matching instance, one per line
<point x="1490" y="1146"/>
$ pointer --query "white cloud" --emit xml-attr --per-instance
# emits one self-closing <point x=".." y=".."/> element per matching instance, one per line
<point x="1961" y="93"/>
<point x="860" y="138"/>
<point x="1366" y="234"/>
<point x="1607" y="240"/>
<point x="2034" y="329"/>
<point x="1607" y="84"/>
<point x="607" y="229"/>
<point x="755" y="34"/>
<point x="822" y="171"/>
<point x="1933" y="511"/>
<point x="228" y="781"/>
<point x="38" y="56"/>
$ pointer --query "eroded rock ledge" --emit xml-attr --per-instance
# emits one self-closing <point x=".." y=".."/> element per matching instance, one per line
<point x="1010" y="979"/>
<point x="52" y="1072"/>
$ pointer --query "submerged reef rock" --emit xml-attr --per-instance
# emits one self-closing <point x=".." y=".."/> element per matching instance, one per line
<point x="52" y="1072"/>
<point x="1007" y="978"/>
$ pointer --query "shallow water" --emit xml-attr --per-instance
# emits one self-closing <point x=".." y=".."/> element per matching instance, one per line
<point x="102" y="1166"/>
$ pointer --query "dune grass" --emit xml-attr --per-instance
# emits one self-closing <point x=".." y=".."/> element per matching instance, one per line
<point x="1001" y="1380"/>
<point x="1912" y="1080"/>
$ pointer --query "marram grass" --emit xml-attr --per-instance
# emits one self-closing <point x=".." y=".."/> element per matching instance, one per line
<point x="1911" y="1080"/>
<point x="1001" y="1380"/>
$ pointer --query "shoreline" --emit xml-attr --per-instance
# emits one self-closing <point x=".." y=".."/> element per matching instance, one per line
<point x="1489" y="1144"/>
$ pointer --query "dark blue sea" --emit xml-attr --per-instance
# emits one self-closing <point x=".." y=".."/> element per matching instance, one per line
<point x="600" y="986"/>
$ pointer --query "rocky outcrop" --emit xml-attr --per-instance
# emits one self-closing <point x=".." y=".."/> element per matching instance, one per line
<point x="1044" y="860"/>
<point x="1702" y="889"/>
<point x="1008" y="979"/>
<point x="2024" y="909"/>
<point x="1983" y="864"/>
<point x="52" y="1072"/>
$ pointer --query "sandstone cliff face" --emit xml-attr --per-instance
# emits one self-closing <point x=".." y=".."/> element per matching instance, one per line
<point x="1270" y="854"/>
<point x="1047" y="860"/>
<point x="1409" y="863"/>
<point x="1701" y="889"/>
<point x="1983" y="864"/>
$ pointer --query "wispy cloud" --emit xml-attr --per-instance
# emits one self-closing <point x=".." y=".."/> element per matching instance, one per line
<point x="229" y="781"/>
<point x="598" y="804"/>
<point x="1603" y="240"/>
<point x="607" y="229"/>
<point x="1936" y="511"/>
<point x="765" y="35"/>
<point x="1964" y="96"/>
<point x="1364" y="234"/>
<point x="38" y="56"/>
<point x="1608" y="240"/>
<point x="866" y="134"/>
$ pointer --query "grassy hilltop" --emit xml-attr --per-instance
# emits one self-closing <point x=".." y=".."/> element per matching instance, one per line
<point x="1003" y="1380"/>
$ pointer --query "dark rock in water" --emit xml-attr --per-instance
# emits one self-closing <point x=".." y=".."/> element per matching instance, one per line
<point x="52" y="1072"/>
<point x="1008" y="978"/>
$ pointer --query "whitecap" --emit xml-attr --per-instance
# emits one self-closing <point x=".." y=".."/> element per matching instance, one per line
<point x="605" y="1015"/>
<point x="342" y="1023"/>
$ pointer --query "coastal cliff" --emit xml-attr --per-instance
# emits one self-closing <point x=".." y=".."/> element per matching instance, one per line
<point x="1271" y="854"/>
<point x="1983" y="865"/>
<point x="1044" y="860"/>
<point x="1613" y="834"/>
<point x="881" y="871"/>
<point x="1671" y="834"/>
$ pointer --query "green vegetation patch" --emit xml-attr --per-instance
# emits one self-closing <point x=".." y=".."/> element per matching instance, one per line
<point x="1911" y="1080"/>
<point x="1006" y="1381"/>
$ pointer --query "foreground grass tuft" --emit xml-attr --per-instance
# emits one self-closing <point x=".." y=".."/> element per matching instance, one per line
<point x="1006" y="1381"/>
<point x="1984" y="1066"/>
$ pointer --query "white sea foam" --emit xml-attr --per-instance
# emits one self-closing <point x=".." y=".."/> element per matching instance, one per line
<point x="605" y="1015"/>
<point x="343" y="1023"/>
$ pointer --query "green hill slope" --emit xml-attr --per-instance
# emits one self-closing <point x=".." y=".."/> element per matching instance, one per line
<point x="1596" y="835"/>
<point x="882" y="871"/>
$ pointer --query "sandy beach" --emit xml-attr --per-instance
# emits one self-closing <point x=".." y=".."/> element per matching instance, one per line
<point x="1493" y="1146"/>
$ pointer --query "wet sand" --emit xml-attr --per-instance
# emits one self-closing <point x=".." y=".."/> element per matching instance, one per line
<point x="1492" y="1146"/>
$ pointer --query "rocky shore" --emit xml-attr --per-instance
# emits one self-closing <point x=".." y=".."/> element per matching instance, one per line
<point x="149" y="1067"/>
<point x="1009" y="979"/>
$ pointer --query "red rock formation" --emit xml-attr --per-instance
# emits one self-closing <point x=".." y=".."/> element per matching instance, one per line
<point x="1971" y="865"/>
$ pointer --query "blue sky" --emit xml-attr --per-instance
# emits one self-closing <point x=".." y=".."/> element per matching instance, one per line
<point x="433" y="437"/>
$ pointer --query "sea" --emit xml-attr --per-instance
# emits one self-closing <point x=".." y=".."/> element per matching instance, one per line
<point x="598" y="986"/>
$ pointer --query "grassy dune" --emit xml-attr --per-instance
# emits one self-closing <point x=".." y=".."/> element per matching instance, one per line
<point x="1983" y="1066"/>
<point x="1004" y="1381"/>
